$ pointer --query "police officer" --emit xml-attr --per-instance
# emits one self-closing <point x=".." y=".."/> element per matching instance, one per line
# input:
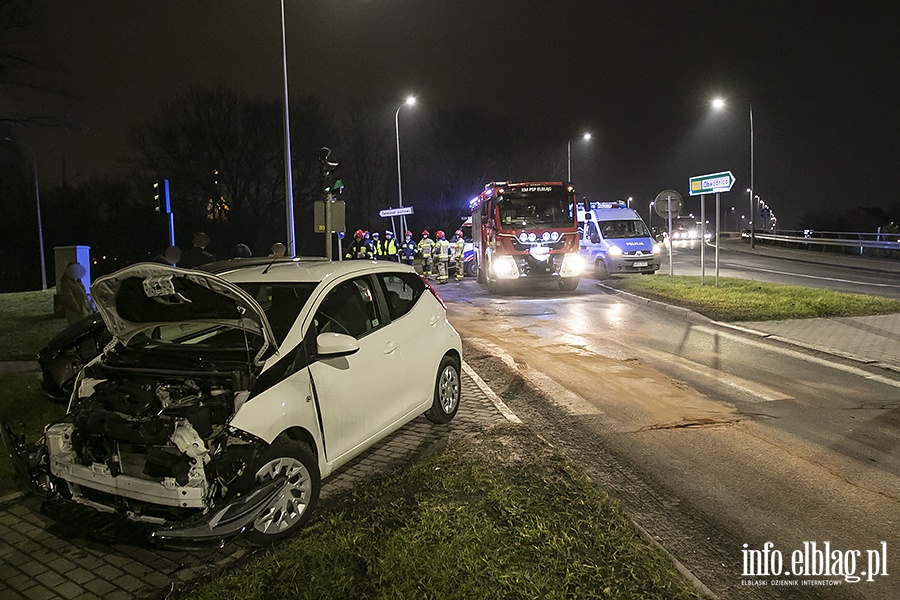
<point x="389" y="247"/>
<point x="459" y="251"/>
<point x="378" y="251"/>
<point x="426" y="248"/>
<point x="442" y="256"/>
<point x="408" y="250"/>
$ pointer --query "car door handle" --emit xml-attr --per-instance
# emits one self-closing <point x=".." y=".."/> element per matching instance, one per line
<point x="433" y="320"/>
<point x="390" y="347"/>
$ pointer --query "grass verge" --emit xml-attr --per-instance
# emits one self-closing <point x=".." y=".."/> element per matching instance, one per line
<point x="500" y="515"/>
<point x="24" y="406"/>
<point x="745" y="300"/>
<point x="27" y="324"/>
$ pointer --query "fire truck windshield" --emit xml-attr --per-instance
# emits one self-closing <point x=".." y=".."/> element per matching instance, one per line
<point x="535" y="211"/>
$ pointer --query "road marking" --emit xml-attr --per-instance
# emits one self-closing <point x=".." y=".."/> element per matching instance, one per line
<point x="799" y="355"/>
<point x="501" y="406"/>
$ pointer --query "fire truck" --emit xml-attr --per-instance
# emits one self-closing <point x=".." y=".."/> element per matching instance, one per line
<point x="526" y="232"/>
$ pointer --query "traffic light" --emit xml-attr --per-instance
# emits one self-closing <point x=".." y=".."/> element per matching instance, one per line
<point x="161" y="197"/>
<point x="330" y="182"/>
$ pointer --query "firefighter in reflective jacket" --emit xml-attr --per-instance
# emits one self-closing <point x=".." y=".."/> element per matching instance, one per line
<point x="442" y="256"/>
<point x="459" y="250"/>
<point x="358" y="248"/>
<point x="426" y="246"/>
<point x="408" y="250"/>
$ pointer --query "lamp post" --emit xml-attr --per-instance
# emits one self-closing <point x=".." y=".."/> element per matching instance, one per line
<point x="586" y="136"/>
<point x="288" y="177"/>
<point x="37" y="200"/>
<point x="719" y="103"/>
<point x="410" y="100"/>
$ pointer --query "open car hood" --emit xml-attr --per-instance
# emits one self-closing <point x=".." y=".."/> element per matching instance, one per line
<point x="138" y="298"/>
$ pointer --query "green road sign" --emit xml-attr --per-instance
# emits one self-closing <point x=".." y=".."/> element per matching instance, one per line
<point x="711" y="184"/>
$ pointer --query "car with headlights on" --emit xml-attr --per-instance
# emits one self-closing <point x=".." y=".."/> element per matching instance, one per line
<point x="226" y="397"/>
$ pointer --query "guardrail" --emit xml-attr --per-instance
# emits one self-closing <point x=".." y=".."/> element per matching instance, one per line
<point x="877" y="244"/>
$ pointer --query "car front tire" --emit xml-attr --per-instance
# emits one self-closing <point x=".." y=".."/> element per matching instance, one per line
<point x="446" y="392"/>
<point x="292" y="507"/>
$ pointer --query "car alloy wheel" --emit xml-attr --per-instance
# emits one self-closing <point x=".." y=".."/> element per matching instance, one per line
<point x="446" y="392"/>
<point x="291" y="508"/>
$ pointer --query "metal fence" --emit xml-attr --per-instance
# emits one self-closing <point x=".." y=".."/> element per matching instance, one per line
<point x="873" y="244"/>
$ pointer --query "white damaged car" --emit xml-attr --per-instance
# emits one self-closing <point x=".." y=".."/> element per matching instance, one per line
<point x="225" y="398"/>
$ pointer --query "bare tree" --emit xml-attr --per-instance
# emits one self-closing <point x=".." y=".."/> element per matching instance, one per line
<point x="224" y="157"/>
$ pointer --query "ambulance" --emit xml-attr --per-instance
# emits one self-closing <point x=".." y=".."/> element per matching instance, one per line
<point x="615" y="240"/>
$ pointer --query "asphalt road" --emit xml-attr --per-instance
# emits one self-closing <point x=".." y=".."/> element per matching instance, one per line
<point x="712" y="439"/>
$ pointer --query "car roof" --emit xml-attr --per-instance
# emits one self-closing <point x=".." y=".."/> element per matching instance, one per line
<point x="299" y="269"/>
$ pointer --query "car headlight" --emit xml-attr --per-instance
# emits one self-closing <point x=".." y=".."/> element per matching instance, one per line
<point x="572" y="265"/>
<point x="657" y="249"/>
<point x="614" y="251"/>
<point x="504" y="267"/>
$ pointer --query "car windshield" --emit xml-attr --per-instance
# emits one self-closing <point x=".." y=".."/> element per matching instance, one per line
<point x="281" y="303"/>
<point x="535" y="211"/>
<point x="628" y="228"/>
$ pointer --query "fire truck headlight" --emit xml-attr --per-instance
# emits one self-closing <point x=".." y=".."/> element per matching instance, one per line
<point x="504" y="267"/>
<point x="657" y="249"/>
<point x="554" y="236"/>
<point x="523" y="237"/>
<point x="545" y="236"/>
<point x="572" y="265"/>
<point x="532" y="237"/>
<point x="614" y="251"/>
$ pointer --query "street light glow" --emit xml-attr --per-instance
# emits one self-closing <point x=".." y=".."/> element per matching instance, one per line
<point x="718" y="103"/>
<point x="587" y="136"/>
<point x="410" y="100"/>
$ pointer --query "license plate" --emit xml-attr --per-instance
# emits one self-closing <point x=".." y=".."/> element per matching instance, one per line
<point x="637" y="265"/>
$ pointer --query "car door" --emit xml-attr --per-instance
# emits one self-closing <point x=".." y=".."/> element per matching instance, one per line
<point x="358" y="394"/>
<point x="416" y="326"/>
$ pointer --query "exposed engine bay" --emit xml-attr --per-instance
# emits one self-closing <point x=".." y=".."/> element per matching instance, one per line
<point x="154" y="448"/>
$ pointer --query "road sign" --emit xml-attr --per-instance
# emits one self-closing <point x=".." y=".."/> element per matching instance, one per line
<point x="396" y="212"/>
<point x="765" y="213"/>
<point x="712" y="183"/>
<point x="667" y="199"/>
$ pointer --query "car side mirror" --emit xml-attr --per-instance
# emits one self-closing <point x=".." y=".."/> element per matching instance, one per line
<point x="595" y="239"/>
<point x="333" y="345"/>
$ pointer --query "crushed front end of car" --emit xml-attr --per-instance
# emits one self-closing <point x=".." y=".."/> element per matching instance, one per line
<point x="146" y="436"/>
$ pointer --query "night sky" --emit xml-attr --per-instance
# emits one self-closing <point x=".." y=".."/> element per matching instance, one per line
<point x="822" y="80"/>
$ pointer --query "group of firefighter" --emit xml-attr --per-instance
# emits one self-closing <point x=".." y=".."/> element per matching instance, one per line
<point x="435" y="253"/>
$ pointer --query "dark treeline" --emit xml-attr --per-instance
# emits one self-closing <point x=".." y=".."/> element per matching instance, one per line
<point x="223" y="155"/>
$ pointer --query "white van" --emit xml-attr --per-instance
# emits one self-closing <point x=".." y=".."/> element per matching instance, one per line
<point x="614" y="239"/>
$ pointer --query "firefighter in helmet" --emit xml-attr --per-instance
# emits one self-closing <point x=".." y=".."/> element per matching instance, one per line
<point x="442" y="256"/>
<point x="357" y="248"/>
<point x="408" y="249"/>
<point x="458" y="251"/>
<point x="426" y="248"/>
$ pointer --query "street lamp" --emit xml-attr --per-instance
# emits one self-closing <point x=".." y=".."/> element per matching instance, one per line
<point x="718" y="104"/>
<point x="410" y="100"/>
<point x="585" y="137"/>
<point x="37" y="200"/>
<point x="288" y="178"/>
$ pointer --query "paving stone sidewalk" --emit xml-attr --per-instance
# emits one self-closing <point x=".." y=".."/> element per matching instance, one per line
<point x="39" y="559"/>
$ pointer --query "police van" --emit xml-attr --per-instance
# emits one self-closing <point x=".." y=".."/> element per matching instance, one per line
<point x="614" y="239"/>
